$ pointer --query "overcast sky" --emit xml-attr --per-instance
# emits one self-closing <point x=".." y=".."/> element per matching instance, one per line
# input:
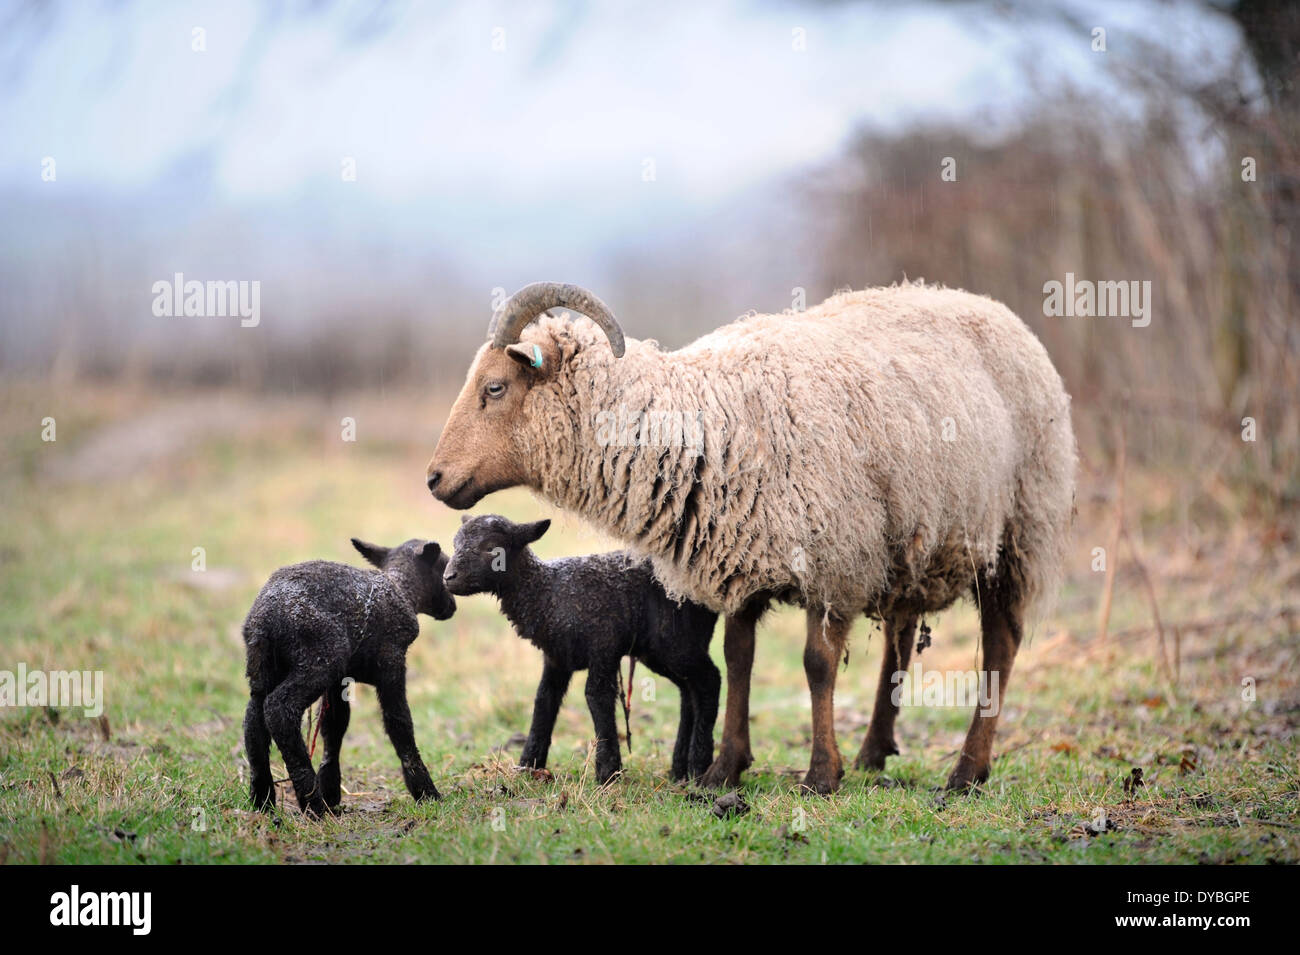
<point x="531" y="156"/>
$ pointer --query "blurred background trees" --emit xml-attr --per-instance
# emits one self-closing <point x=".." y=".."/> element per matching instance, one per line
<point x="690" y="165"/>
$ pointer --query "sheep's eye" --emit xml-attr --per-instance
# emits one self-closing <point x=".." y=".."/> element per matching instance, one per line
<point x="495" y="389"/>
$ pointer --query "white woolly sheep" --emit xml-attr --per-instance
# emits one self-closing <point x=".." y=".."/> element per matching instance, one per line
<point x="885" y="453"/>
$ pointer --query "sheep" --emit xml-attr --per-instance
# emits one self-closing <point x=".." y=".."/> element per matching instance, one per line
<point x="587" y="613"/>
<point x="885" y="452"/>
<point x="315" y="624"/>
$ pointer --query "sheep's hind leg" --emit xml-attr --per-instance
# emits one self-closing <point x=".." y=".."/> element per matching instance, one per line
<point x="284" y="709"/>
<point x="1000" y="626"/>
<point x="334" y="724"/>
<point x="821" y="656"/>
<point x="257" y="748"/>
<point x="734" y="753"/>
<point x="401" y="732"/>
<point x="900" y="636"/>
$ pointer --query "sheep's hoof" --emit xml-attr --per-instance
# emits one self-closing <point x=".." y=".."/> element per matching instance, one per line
<point x="966" y="778"/>
<point x="428" y="795"/>
<point x="962" y="785"/>
<point x="725" y="771"/>
<point x="823" y="779"/>
<point x="872" y="756"/>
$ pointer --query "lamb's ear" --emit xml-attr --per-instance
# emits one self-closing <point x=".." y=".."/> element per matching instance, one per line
<point x="429" y="552"/>
<point x="371" y="552"/>
<point x="527" y="533"/>
<point x="465" y="518"/>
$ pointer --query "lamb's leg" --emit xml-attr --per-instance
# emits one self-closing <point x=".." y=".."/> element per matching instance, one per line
<point x="685" y="732"/>
<point x="734" y="754"/>
<point x="602" y="691"/>
<point x="257" y="748"/>
<point x="546" y="706"/>
<point x="821" y="656"/>
<point x="705" y="684"/>
<point x="334" y="724"/>
<point x="1000" y="630"/>
<point x="900" y="637"/>
<point x="284" y="708"/>
<point x="401" y="731"/>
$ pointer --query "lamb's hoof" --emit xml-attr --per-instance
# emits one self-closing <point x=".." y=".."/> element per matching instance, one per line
<point x="725" y="771"/>
<point x="872" y="756"/>
<point x="428" y="795"/>
<point x="537" y="772"/>
<point x="315" y="808"/>
<point x="608" y="775"/>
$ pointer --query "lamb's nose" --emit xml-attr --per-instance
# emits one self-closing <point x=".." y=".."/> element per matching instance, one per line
<point x="434" y="478"/>
<point x="448" y="575"/>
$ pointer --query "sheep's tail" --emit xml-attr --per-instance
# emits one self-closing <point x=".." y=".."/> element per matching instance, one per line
<point x="259" y="660"/>
<point x="1034" y="550"/>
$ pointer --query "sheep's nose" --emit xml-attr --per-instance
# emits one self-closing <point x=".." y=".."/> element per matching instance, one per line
<point x="448" y="575"/>
<point x="434" y="478"/>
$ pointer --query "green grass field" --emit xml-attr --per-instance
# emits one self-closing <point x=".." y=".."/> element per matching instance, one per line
<point x="96" y="548"/>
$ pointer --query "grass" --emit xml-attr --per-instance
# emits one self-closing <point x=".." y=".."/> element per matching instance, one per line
<point x="96" y="553"/>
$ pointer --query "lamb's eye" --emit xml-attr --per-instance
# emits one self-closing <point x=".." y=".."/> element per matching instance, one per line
<point x="495" y="389"/>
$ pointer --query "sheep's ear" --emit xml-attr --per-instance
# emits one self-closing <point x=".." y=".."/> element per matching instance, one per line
<point x="527" y="533"/>
<point x="371" y="552"/>
<point x="429" y="552"/>
<point x="540" y="358"/>
<point x="465" y="518"/>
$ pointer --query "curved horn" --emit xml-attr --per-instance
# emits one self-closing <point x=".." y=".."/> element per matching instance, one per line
<point x="531" y="301"/>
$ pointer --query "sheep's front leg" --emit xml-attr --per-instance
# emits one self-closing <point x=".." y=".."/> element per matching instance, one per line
<point x="821" y="656"/>
<point x="602" y="691"/>
<point x="401" y="731"/>
<point x="685" y="732"/>
<point x="334" y="724"/>
<point x="734" y="754"/>
<point x="550" y="694"/>
<point x="257" y="748"/>
<point x="705" y="685"/>
<point x="283" y="711"/>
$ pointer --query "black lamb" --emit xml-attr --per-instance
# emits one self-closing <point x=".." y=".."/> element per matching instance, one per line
<point x="312" y="626"/>
<point x="587" y="613"/>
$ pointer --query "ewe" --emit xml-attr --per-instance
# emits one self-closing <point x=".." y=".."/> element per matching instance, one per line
<point x="883" y="453"/>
